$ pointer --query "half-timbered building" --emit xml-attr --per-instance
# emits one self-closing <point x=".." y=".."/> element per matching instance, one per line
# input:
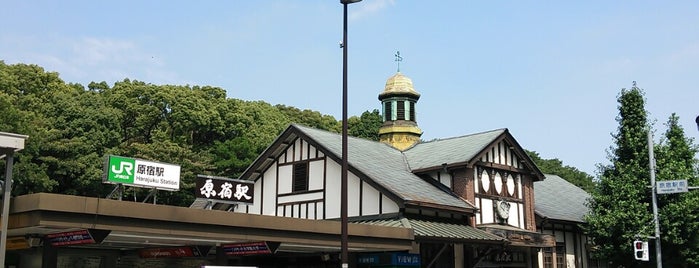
<point x="560" y="211"/>
<point x="468" y="199"/>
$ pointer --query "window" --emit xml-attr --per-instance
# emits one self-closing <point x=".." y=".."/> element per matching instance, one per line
<point x="401" y="111"/>
<point x="560" y="255"/>
<point x="412" y="111"/>
<point x="387" y="111"/>
<point x="548" y="258"/>
<point x="300" y="177"/>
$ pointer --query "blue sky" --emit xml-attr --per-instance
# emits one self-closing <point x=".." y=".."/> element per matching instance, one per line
<point x="549" y="71"/>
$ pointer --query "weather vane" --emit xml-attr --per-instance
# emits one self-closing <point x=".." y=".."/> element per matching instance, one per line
<point x="398" y="59"/>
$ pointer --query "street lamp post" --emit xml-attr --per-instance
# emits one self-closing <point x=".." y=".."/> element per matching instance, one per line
<point x="9" y="144"/>
<point x="343" y="188"/>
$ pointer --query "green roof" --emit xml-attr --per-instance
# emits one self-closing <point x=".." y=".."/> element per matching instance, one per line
<point x="458" y="149"/>
<point x="386" y="166"/>
<point x="558" y="199"/>
<point x="436" y="230"/>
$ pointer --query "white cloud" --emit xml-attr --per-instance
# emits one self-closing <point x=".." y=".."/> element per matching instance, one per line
<point x="684" y="57"/>
<point x="369" y="7"/>
<point x="86" y="59"/>
<point x="95" y="51"/>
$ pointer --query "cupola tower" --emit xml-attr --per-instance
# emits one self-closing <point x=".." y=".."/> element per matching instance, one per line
<point x="398" y="100"/>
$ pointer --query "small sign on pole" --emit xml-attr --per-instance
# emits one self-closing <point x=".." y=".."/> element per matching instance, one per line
<point x="671" y="186"/>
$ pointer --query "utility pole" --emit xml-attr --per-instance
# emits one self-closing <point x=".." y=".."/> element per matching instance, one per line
<point x="651" y="163"/>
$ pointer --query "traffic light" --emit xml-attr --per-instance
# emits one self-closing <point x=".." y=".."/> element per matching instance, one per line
<point x="640" y="250"/>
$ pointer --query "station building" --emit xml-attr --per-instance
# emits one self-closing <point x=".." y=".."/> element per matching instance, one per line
<point x="466" y="201"/>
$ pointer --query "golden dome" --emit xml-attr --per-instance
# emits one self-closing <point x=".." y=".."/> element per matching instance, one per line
<point x="399" y="84"/>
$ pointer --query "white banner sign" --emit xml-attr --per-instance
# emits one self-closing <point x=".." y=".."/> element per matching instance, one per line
<point x="142" y="173"/>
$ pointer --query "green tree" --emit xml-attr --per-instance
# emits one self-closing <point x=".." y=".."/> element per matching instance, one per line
<point x="679" y="213"/>
<point x="25" y="89"/>
<point x="620" y="208"/>
<point x="310" y="118"/>
<point x="232" y="157"/>
<point x="570" y="174"/>
<point x="71" y="128"/>
<point x="365" y="126"/>
<point x="257" y="121"/>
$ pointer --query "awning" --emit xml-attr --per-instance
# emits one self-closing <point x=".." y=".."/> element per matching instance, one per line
<point x="138" y="225"/>
<point x="436" y="230"/>
<point x="520" y="237"/>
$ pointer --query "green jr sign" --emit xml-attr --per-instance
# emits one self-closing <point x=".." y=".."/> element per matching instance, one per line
<point x="121" y="169"/>
<point x="141" y="173"/>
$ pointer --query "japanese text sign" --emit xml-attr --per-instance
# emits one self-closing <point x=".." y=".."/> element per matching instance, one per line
<point x="141" y="173"/>
<point x="79" y="237"/>
<point x="671" y="187"/>
<point x="250" y="248"/>
<point x="224" y="189"/>
<point x="174" y="252"/>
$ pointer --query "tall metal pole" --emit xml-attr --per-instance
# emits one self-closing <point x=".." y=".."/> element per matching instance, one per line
<point x="343" y="189"/>
<point x="651" y="163"/>
<point x="9" y="160"/>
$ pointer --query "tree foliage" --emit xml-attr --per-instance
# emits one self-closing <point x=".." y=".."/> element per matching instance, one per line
<point x="365" y="126"/>
<point x="679" y="213"/>
<point x="570" y="174"/>
<point x="72" y="128"/>
<point x="619" y="209"/>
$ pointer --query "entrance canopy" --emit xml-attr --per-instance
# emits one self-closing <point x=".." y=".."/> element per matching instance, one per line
<point x="134" y="225"/>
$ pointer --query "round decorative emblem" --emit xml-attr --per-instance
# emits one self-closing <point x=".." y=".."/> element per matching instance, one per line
<point x="502" y="211"/>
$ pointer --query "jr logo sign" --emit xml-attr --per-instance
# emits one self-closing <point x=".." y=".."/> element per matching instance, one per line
<point x="141" y="173"/>
<point x="121" y="170"/>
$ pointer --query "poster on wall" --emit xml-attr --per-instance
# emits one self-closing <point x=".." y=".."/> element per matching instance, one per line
<point x="174" y="252"/>
<point x="141" y="173"/>
<point x="78" y="237"/>
<point x="250" y="248"/>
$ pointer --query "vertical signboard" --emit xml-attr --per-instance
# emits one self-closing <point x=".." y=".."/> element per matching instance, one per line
<point x="224" y="190"/>
<point x="141" y="173"/>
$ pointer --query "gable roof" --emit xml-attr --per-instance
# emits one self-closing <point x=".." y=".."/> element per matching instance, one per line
<point x="558" y="199"/>
<point x="458" y="149"/>
<point x="465" y="150"/>
<point x="376" y="163"/>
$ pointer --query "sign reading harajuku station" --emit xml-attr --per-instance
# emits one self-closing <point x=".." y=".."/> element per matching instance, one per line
<point x="141" y="173"/>
<point x="224" y="189"/>
<point x="672" y="186"/>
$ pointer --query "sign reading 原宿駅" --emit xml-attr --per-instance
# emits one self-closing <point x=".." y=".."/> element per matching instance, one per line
<point x="141" y="173"/>
<point x="224" y="190"/>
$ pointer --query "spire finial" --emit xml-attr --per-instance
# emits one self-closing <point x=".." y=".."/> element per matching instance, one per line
<point x="398" y="59"/>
